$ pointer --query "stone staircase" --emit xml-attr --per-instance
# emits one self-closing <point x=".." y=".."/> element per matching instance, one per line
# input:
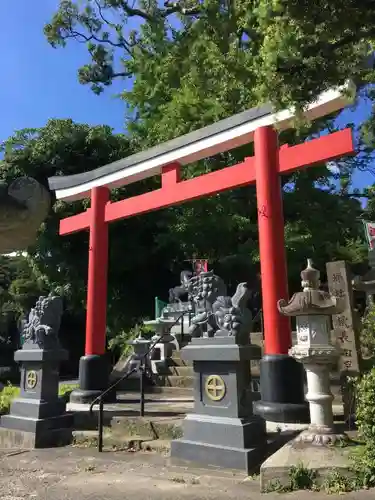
<point x="178" y="374"/>
<point x="178" y="380"/>
<point x="167" y="403"/>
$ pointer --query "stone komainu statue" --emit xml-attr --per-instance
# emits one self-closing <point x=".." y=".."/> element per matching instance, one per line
<point x="41" y="330"/>
<point x="181" y="293"/>
<point x="24" y="204"/>
<point x="217" y="314"/>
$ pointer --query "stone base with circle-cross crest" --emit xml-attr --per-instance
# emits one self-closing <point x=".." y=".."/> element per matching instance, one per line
<point x="37" y="418"/>
<point x="222" y="430"/>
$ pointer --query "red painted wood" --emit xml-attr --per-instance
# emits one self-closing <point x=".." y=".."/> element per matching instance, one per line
<point x="170" y="175"/>
<point x="316" y="151"/>
<point x="96" y="308"/>
<point x="192" y="189"/>
<point x="277" y="331"/>
<point x="291" y="158"/>
<point x="75" y="223"/>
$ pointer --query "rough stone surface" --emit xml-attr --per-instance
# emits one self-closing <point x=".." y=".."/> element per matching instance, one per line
<point x="322" y="459"/>
<point x="66" y="474"/>
<point x="23" y="207"/>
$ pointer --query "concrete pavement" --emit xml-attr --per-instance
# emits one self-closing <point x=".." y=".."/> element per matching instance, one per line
<point x="71" y="473"/>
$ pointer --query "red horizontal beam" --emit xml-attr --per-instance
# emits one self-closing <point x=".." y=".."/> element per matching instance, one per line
<point x="310" y="153"/>
<point x="192" y="189"/>
<point x="75" y="223"/>
<point x="292" y="158"/>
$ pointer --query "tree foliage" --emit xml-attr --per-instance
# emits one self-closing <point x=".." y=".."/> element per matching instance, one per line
<point x="283" y="50"/>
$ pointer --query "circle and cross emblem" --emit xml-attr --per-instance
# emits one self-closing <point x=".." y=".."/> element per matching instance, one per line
<point x="31" y="379"/>
<point x="215" y="388"/>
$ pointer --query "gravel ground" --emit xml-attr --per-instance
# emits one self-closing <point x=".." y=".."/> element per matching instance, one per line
<point x="82" y="474"/>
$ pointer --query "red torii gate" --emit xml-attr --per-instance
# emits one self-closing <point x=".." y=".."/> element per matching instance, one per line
<point x="281" y="380"/>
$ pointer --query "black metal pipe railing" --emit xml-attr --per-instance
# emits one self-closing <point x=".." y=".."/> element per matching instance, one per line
<point x="141" y="368"/>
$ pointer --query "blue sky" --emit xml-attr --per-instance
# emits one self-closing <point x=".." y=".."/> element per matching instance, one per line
<point x="39" y="82"/>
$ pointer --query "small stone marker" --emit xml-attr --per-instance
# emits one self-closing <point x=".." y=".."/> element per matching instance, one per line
<point x="344" y="324"/>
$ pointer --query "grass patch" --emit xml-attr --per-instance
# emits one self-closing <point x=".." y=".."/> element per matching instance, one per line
<point x="300" y="478"/>
<point x="361" y="475"/>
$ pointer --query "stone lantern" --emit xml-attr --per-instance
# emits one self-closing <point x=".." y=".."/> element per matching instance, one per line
<point x="366" y="283"/>
<point x="164" y="342"/>
<point x="313" y="309"/>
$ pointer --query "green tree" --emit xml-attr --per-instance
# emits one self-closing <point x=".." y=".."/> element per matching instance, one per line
<point x="282" y="50"/>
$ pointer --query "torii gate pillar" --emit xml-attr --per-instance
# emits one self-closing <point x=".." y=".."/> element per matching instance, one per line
<point x="281" y="377"/>
<point x="94" y="366"/>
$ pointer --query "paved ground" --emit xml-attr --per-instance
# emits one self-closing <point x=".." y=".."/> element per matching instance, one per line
<point x="82" y="474"/>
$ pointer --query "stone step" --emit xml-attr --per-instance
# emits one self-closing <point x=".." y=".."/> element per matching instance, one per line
<point x="173" y="392"/>
<point x="148" y="427"/>
<point x="176" y="354"/>
<point x="184" y="371"/>
<point x="89" y="439"/>
<point x="181" y="337"/>
<point x="175" y="380"/>
<point x="176" y="360"/>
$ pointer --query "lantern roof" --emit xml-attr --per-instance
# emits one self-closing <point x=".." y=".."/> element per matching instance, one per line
<point x="311" y="300"/>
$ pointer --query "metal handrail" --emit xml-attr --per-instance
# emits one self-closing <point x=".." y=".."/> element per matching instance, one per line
<point x="141" y="369"/>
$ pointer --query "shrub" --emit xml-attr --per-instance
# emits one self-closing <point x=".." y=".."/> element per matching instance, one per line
<point x="118" y="345"/>
<point x="365" y="419"/>
<point x="66" y="389"/>
<point x="367" y="335"/>
<point x="366" y="406"/>
<point x="7" y="395"/>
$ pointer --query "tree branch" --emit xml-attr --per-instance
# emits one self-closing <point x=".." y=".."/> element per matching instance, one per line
<point x="132" y="11"/>
<point x="101" y="15"/>
<point x="76" y="34"/>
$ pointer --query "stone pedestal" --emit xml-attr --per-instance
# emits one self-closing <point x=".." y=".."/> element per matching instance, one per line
<point x="38" y="416"/>
<point x="222" y="430"/>
<point x="317" y="362"/>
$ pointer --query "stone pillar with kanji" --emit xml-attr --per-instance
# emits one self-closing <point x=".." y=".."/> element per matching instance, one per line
<point x="346" y="327"/>
<point x="222" y="430"/>
<point x="346" y="324"/>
